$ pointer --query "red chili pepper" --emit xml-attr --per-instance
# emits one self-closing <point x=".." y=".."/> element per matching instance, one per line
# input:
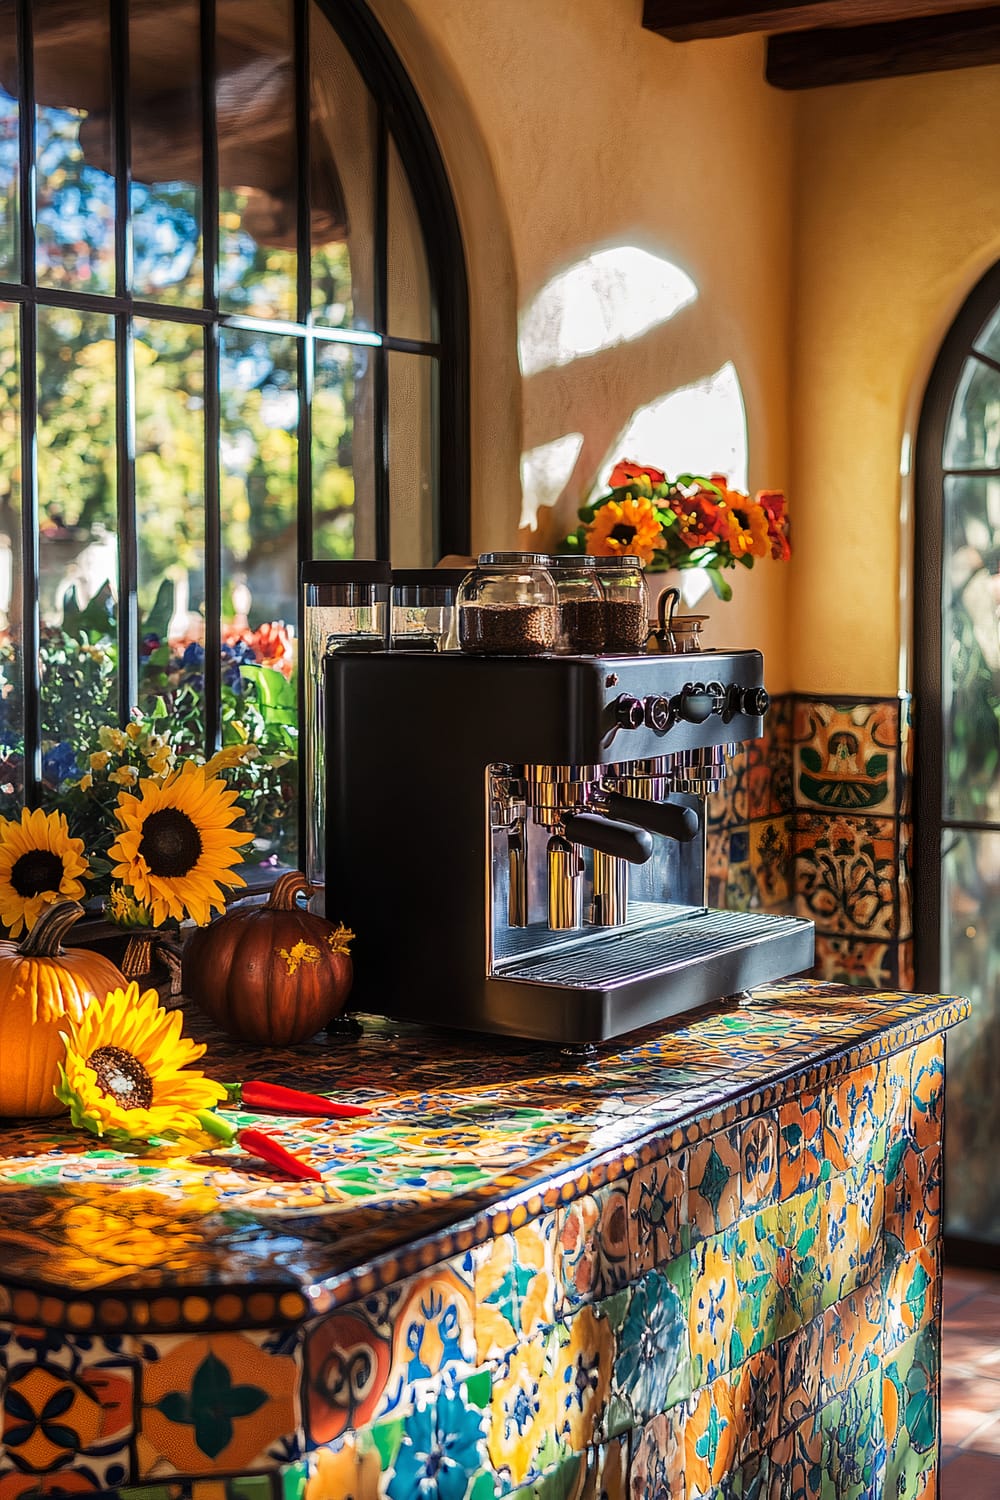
<point x="258" y="1095"/>
<point x="268" y="1149"/>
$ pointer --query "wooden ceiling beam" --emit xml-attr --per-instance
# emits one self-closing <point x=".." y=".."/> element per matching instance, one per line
<point x="694" y="20"/>
<point x="929" y="44"/>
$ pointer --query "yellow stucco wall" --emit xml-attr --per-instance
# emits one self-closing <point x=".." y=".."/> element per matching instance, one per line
<point x="831" y="236"/>
<point x="566" y="129"/>
<point x="897" y="215"/>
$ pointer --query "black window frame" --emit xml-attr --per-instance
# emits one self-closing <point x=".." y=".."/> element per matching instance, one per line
<point x="400" y="116"/>
<point x="930" y="471"/>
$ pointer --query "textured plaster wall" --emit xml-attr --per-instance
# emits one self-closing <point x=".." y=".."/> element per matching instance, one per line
<point x="831" y="235"/>
<point x="897" y="215"/>
<point x="567" y="129"/>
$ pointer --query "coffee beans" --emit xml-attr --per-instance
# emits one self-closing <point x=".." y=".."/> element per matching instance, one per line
<point x="507" y="629"/>
<point x="581" y="626"/>
<point x="584" y="627"/>
<point x="626" y="627"/>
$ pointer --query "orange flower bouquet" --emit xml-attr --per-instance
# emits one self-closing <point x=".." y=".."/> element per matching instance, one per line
<point x="687" y="522"/>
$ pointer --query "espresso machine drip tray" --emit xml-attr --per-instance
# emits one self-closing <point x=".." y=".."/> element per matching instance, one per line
<point x="599" y="990"/>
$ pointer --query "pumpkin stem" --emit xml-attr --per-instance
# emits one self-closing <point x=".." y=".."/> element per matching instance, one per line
<point x="138" y="959"/>
<point x="287" y="888"/>
<point x="45" y="938"/>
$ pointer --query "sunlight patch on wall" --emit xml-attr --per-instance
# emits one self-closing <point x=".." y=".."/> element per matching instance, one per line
<point x="545" y="471"/>
<point x="700" y="429"/>
<point x="610" y="298"/>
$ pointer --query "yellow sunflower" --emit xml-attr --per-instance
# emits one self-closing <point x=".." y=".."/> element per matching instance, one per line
<point x="123" y="1075"/>
<point x="39" y="864"/>
<point x="623" y="528"/>
<point x="745" y="526"/>
<point x="177" y="845"/>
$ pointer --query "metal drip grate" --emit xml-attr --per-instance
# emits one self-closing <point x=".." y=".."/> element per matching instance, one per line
<point x="620" y="959"/>
<point x="519" y="944"/>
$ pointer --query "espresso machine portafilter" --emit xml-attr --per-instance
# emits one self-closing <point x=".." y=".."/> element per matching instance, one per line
<point x="519" y="842"/>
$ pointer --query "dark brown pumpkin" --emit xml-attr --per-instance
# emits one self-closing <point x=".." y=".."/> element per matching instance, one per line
<point x="272" y="974"/>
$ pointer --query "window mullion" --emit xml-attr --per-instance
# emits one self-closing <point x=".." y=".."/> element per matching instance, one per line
<point x="28" y="341"/>
<point x="383" y="540"/>
<point x="213" y="519"/>
<point x="128" y="543"/>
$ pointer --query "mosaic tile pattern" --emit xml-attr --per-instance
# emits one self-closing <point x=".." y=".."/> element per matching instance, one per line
<point x="711" y="1271"/>
<point x="816" y="819"/>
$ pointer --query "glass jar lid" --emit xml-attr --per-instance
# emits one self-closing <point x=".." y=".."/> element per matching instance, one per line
<point x="512" y="559"/>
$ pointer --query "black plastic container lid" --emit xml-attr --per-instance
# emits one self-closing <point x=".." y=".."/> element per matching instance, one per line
<point x="358" y="570"/>
<point x="428" y="578"/>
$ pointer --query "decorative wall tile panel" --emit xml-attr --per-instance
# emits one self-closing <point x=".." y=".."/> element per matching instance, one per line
<point x="658" y="1213"/>
<point x="772" y="860"/>
<point x="845" y="874"/>
<point x="515" y="1286"/>
<point x="801" y="1156"/>
<point x="217" y="1403"/>
<point x="714" y="1193"/>
<point x="841" y="960"/>
<point x="846" y="756"/>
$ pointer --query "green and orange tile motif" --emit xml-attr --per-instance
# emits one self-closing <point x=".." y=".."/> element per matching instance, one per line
<point x="703" y="1262"/>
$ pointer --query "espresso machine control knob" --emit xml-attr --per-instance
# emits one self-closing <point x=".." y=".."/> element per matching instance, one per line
<point x="697" y="702"/>
<point x="658" y="713"/>
<point x="754" y="701"/>
<point x="629" y="712"/>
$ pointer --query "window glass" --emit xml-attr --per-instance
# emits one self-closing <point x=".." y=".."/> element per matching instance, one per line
<point x="411" y="460"/>
<point x="259" y="508"/>
<point x="170" y="523"/>
<point x="410" y="311"/>
<point x="342" y="183"/>
<point x="77" y="527"/>
<point x="258" y="162"/>
<point x="973" y="439"/>
<point x="165" y="110"/>
<point x="74" y="160"/>
<point x="342" y="451"/>
<point x="9" y="155"/>
<point x="988" y="338"/>
<point x="971" y="649"/>
<point x="970" y="951"/>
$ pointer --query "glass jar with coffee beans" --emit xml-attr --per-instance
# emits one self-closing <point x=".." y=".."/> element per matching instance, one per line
<point x="626" y="605"/>
<point x="581" y="604"/>
<point x="507" y="606"/>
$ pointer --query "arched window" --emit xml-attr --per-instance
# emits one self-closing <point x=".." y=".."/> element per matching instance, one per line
<point x="957" y="733"/>
<point x="233" y="334"/>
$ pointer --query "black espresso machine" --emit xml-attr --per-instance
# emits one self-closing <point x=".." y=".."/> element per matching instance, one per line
<point x="519" y="842"/>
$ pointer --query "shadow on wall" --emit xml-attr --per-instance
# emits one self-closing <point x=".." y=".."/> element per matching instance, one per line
<point x="620" y="340"/>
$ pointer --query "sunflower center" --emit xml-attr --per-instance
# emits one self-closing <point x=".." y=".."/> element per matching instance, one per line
<point x="171" y="844"/>
<point x="38" y="870"/>
<point x="622" y="533"/>
<point x="121" y="1075"/>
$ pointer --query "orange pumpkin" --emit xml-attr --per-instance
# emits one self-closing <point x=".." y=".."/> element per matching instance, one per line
<point x="271" y="974"/>
<point x="41" y="983"/>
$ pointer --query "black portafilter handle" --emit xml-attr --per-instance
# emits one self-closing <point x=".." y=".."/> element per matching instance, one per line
<point x="619" y="840"/>
<point x="671" y="820"/>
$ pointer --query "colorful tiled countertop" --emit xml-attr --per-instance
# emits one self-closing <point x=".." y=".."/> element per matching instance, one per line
<point x="466" y="1140"/>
